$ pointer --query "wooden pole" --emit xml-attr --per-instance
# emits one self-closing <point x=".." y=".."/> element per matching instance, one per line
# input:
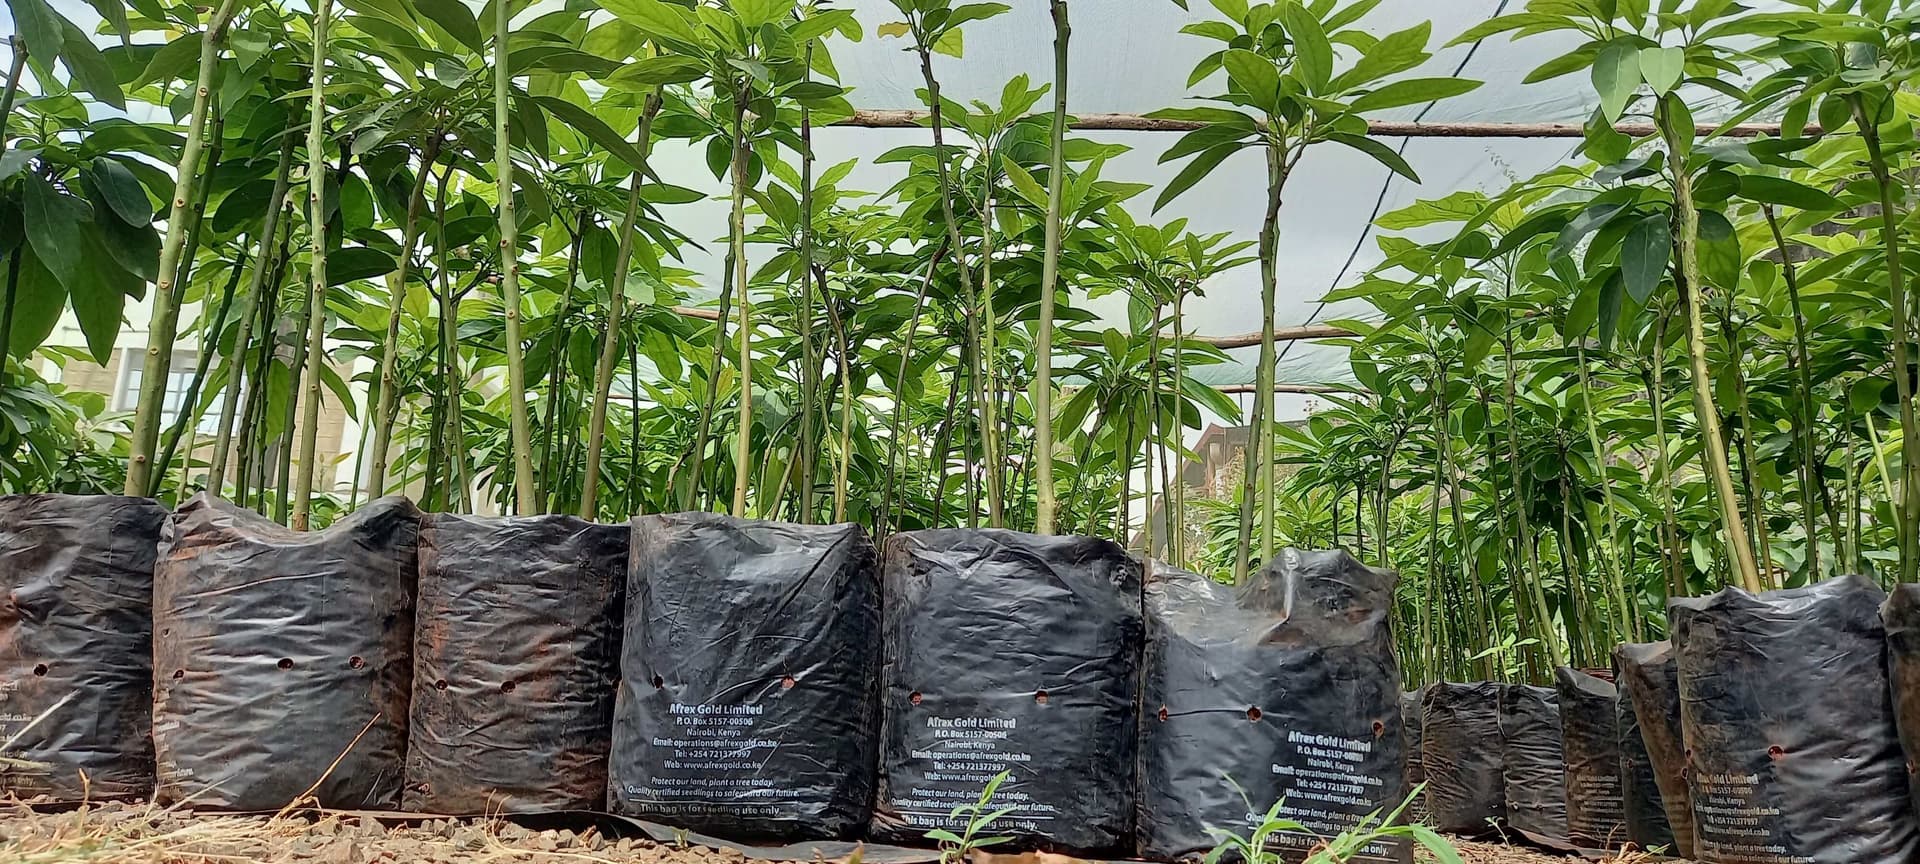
<point x="914" y="119"/>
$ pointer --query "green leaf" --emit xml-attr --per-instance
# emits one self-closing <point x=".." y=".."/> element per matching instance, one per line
<point x="100" y="295"/>
<point x="1662" y="68"/>
<point x="1381" y="153"/>
<point x="974" y="12"/>
<point x="659" y="20"/>
<point x="1023" y="183"/>
<point x="1413" y="91"/>
<point x="1605" y="144"/>
<point x="1565" y="64"/>
<point x="41" y="299"/>
<point x="1786" y="193"/>
<point x="1610" y="305"/>
<point x="457" y="19"/>
<point x="172" y="62"/>
<point x="1313" y="53"/>
<point x="592" y="127"/>
<point x="754" y="13"/>
<point x="53" y="228"/>
<point x="357" y="262"/>
<point x="40" y="26"/>
<point x="1255" y="75"/>
<point x="90" y="69"/>
<point x="1616" y="75"/>
<point x="950" y="43"/>
<point x="114" y="12"/>
<point x="657" y="71"/>
<point x="1720" y="255"/>
<point x="1644" y="256"/>
<point x="1200" y="167"/>
<point x="122" y="191"/>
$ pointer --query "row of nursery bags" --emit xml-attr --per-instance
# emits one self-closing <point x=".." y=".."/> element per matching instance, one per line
<point x="752" y="680"/>
<point x="1779" y="728"/>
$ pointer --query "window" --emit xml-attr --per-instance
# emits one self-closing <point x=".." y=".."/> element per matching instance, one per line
<point x="179" y="379"/>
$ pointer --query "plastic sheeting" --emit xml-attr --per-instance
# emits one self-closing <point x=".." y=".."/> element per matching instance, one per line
<point x="76" y="651"/>
<point x="1590" y="735"/>
<point x="1285" y="689"/>
<point x="1532" y="762"/>
<point x="1650" y="680"/>
<point x="1792" y="751"/>
<point x="749" y="674"/>
<point x="1018" y="653"/>
<point x="278" y="654"/>
<point x="1460" y="755"/>
<point x="515" y="654"/>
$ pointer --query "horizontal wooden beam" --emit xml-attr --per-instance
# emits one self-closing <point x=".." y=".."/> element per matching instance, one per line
<point x="914" y="119"/>
<point x="1280" y="334"/>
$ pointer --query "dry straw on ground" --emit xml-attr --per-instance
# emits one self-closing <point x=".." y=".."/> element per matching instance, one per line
<point x="114" y="833"/>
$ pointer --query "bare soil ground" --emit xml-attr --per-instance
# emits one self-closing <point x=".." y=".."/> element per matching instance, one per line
<point x="113" y="833"/>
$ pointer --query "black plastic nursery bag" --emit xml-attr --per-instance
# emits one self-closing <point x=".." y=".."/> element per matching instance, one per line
<point x="749" y="678"/>
<point x="1642" y="797"/>
<point x="1461" y="757"/>
<point x="1650" y="678"/>
<point x="1792" y="750"/>
<point x="1017" y="653"/>
<point x="515" y="653"/>
<point x="1535" y="770"/>
<point x="1590" y="735"/>
<point x="278" y="653"/>
<point x="76" y="645"/>
<point x="1285" y="689"/>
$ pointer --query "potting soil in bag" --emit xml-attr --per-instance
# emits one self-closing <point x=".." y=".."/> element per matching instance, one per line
<point x="1017" y="653"/>
<point x="1901" y="615"/>
<point x="1643" y="810"/>
<point x="1792" y="751"/>
<point x="76" y="645"/>
<point x="749" y="677"/>
<point x="1533" y="765"/>
<point x="1649" y="680"/>
<point x="1460" y="757"/>
<point x="278" y="652"/>
<point x="1284" y="689"/>
<point x="515" y="655"/>
<point x="1590" y="735"/>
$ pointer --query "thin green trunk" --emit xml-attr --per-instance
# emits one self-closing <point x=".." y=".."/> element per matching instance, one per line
<point x="1686" y="236"/>
<point x="886" y="524"/>
<point x="1045" y="504"/>
<point x="743" y="434"/>
<point x="557" y="360"/>
<point x="1254" y="472"/>
<point x="808" y="451"/>
<point x="1803" y="417"/>
<point x="526" y="492"/>
<point x="1907" y="515"/>
<point x="616" y="311"/>
<point x="383" y="415"/>
<point x="166" y="311"/>
<point x="236" y="360"/>
<point x="317" y="269"/>
<point x="1624" y="619"/>
<point x="188" y="417"/>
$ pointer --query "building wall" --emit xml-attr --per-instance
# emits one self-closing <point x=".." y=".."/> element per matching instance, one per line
<point x="338" y="432"/>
